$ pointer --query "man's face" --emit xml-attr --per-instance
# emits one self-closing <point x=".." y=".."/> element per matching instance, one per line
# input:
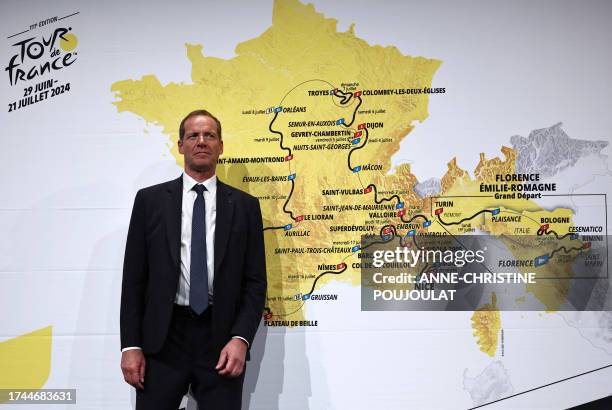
<point x="200" y="145"/>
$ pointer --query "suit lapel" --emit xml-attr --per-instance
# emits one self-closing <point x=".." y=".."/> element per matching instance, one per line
<point x="173" y="210"/>
<point x="223" y="224"/>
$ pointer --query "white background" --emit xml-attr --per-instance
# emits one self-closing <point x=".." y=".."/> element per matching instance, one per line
<point x="70" y="166"/>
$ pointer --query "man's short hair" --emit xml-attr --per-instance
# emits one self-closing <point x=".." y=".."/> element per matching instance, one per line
<point x="197" y="113"/>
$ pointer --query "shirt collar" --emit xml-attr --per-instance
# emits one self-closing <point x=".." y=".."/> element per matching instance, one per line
<point x="210" y="183"/>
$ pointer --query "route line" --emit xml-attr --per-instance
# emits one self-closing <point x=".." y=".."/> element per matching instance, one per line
<point x="464" y="219"/>
<point x="386" y="229"/>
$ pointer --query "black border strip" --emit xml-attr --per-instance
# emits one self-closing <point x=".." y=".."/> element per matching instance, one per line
<point x="69" y="15"/>
<point x="541" y="387"/>
<point x="17" y="34"/>
<point x="61" y="18"/>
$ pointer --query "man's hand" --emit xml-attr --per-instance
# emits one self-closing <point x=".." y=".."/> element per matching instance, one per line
<point x="231" y="360"/>
<point x="133" y="367"/>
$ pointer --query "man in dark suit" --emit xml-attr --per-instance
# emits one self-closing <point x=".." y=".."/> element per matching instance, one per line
<point x="194" y="281"/>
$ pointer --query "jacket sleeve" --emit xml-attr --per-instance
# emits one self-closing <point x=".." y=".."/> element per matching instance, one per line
<point x="254" y="283"/>
<point x="135" y="276"/>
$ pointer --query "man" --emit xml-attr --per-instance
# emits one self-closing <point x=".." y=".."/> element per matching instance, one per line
<point x="194" y="281"/>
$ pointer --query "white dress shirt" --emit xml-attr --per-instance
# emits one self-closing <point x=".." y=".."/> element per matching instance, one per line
<point x="210" y="215"/>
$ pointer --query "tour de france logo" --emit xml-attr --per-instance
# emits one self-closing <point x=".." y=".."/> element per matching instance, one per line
<point x="35" y="61"/>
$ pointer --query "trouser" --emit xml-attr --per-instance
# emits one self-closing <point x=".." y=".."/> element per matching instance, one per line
<point x="188" y="359"/>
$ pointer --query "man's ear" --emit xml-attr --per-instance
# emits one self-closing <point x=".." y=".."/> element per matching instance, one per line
<point x="221" y="143"/>
<point x="180" y="145"/>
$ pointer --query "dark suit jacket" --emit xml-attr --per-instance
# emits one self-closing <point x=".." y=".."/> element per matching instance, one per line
<point x="151" y="266"/>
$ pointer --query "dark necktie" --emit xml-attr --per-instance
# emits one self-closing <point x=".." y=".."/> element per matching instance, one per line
<point x="198" y="281"/>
